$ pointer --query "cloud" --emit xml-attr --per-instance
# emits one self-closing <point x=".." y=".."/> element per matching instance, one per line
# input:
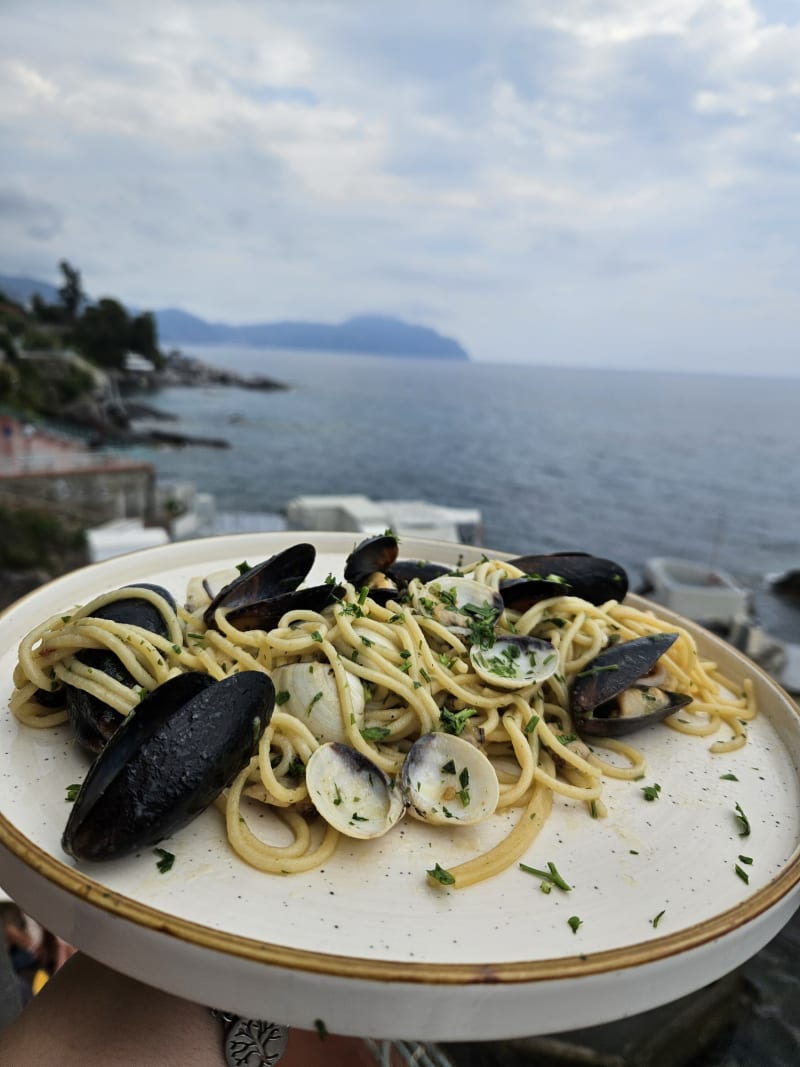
<point x="552" y="169"/>
<point x="35" y="218"/>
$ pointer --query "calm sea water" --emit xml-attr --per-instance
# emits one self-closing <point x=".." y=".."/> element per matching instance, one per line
<point x="625" y="465"/>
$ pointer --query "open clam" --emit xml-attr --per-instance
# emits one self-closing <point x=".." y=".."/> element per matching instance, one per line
<point x="446" y="780"/>
<point x="463" y="605"/>
<point x="514" y="661"/>
<point x="168" y="761"/>
<point x="618" y="692"/>
<point x="351" y="793"/>
<point x="310" y="693"/>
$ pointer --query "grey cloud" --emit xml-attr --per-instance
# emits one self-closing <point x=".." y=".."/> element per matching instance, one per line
<point x="36" y="218"/>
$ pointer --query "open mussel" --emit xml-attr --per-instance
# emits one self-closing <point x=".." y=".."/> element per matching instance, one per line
<point x="564" y="574"/>
<point x="619" y="691"/>
<point x="373" y="563"/>
<point x="170" y="758"/>
<point x="259" y="596"/>
<point x="92" y="720"/>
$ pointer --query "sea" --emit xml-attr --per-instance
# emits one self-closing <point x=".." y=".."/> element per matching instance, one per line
<point x="623" y="464"/>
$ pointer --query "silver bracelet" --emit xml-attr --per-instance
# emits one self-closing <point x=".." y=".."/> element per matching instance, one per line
<point x="251" y="1042"/>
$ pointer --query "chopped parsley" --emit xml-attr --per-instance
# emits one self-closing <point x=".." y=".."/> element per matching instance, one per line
<point x="440" y="875"/>
<point x="481" y="619"/>
<point x="745" y="877"/>
<point x="454" y="722"/>
<point x="296" y="769"/>
<point x="72" y="792"/>
<point x="316" y="635"/>
<point x="744" y="822"/>
<point x="243" y="567"/>
<point x="449" y="767"/>
<point x="166" y="860"/>
<point x="574" y="922"/>
<point x="729" y="778"/>
<point x="375" y="733"/>
<point x="321" y="1028"/>
<point x="551" y="875"/>
<point x="598" y="670"/>
<point x="282" y="696"/>
<point x="651" y="792"/>
<point x="531" y="724"/>
<point x="654" y="922"/>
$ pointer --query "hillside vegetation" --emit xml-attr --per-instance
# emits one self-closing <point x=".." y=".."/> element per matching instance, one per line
<point x="54" y="354"/>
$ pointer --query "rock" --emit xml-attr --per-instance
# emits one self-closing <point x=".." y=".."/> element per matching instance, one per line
<point x="187" y="371"/>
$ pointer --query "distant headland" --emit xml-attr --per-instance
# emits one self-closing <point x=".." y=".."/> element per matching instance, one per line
<point x="377" y="335"/>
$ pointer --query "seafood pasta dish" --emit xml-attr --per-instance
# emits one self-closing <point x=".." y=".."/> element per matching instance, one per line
<point x="402" y="689"/>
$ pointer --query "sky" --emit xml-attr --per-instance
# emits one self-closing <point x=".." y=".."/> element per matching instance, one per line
<point x="565" y="182"/>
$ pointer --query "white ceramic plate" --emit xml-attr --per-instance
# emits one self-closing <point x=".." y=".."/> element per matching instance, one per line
<point x="366" y="945"/>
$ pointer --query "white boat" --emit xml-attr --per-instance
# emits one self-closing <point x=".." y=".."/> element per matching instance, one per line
<point x="408" y="518"/>
<point x="696" y="591"/>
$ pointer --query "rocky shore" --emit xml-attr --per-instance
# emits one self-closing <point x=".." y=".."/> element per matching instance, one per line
<point x="116" y="414"/>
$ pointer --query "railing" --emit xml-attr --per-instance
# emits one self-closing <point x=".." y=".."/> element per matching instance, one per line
<point x="38" y="462"/>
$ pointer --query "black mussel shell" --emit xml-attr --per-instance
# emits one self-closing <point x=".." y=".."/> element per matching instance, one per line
<point x="92" y="720"/>
<point x="51" y="698"/>
<point x="564" y="574"/>
<point x="374" y="555"/>
<point x="280" y="574"/>
<point x="134" y="611"/>
<point x="170" y="758"/>
<point x="266" y="614"/>
<point x="605" y="721"/>
<point x="405" y="570"/>
<point x="616" y="669"/>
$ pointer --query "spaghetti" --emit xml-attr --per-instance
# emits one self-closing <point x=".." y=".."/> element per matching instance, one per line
<point x="394" y="673"/>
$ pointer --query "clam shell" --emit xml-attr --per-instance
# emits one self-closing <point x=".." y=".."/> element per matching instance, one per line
<point x="514" y="662"/>
<point x="351" y="793"/>
<point x="448" y="781"/>
<point x="313" y="698"/>
<point x="457" y="602"/>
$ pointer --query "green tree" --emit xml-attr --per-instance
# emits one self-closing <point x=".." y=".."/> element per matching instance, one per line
<point x="71" y="292"/>
<point x="47" y="314"/>
<point x="143" y="337"/>
<point x="102" y="333"/>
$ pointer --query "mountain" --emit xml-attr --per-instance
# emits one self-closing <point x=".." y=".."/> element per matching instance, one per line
<point x="21" y="289"/>
<point x="378" y="335"/>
